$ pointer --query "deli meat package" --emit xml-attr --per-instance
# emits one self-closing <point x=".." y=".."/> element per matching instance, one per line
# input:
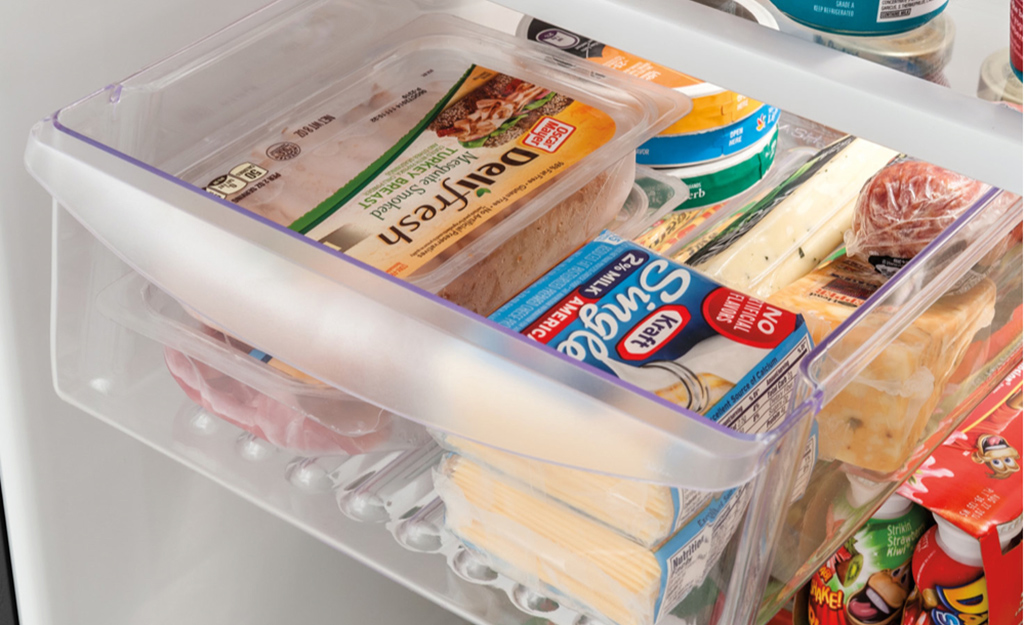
<point x="469" y="177"/>
<point x="247" y="388"/>
<point x="624" y="550"/>
<point x="450" y="157"/>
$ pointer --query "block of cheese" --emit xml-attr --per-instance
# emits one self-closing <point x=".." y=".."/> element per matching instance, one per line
<point x="879" y="417"/>
<point x="544" y="544"/>
<point x="647" y="513"/>
<point x="789" y="231"/>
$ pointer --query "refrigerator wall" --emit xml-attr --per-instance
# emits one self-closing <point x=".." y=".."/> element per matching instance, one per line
<point x="103" y="529"/>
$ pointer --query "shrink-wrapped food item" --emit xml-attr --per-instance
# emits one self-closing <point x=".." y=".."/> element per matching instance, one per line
<point x="903" y="208"/>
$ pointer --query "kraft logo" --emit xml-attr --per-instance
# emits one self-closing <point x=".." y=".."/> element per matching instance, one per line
<point x="653" y="332"/>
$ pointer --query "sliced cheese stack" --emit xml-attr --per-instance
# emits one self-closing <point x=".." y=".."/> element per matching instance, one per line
<point x="646" y="513"/>
<point x="879" y="417"/>
<point x="542" y="543"/>
<point x="788" y="232"/>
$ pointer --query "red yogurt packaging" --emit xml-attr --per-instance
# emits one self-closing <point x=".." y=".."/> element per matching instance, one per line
<point x="968" y="569"/>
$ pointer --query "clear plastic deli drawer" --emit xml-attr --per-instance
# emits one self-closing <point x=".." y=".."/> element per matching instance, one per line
<point x="234" y="287"/>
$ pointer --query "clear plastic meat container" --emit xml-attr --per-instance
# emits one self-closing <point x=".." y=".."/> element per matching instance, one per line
<point x="144" y="171"/>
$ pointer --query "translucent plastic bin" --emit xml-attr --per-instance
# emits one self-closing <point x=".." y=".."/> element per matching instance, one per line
<point x="112" y="162"/>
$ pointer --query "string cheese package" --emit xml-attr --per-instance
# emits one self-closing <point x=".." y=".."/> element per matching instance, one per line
<point x="544" y="544"/>
<point x="720" y="180"/>
<point x="720" y="123"/>
<point x="788" y="232"/>
<point x="675" y="227"/>
<point x="879" y="417"/>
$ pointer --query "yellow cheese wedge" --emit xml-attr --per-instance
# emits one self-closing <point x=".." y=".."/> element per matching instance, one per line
<point x="879" y="417"/>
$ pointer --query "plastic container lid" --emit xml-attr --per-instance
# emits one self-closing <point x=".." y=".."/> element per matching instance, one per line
<point x="652" y="197"/>
<point x="964" y="547"/>
<point x="895" y="506"/>
<point x="997" y="81"/>
<point x="922" y="52"/>
<point x="863" y="490"/>
<point x="563" y="39"/>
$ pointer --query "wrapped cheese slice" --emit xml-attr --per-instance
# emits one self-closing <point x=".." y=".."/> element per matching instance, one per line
<point x="542" y="543"/>
<point x="645" y="512"/>
<point x="879" y="417"/>
<point x="789" y="231"/>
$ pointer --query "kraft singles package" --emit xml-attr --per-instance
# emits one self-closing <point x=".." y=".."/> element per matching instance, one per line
<point x="623" y="550"/>
<point x="667" y="329"/>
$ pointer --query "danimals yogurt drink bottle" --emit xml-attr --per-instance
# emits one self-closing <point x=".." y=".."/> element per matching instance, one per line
<point x="868" y="579"/>
<point x="949" y="578"/>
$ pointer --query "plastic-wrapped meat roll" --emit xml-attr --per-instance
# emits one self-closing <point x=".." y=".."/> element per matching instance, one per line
<point x="263" y="416"/>
<point x="905" y="207"/>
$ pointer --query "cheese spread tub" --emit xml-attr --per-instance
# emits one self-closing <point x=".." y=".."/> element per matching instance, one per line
<point x="682" y="150"/>
<point x="542" y="543"/>
<point x="879" y="417"/>
<point x="862" y="17"/>
<point x="924" y="52"/>
<point x="718" y="181"/>
<point x="462" y="167"/>
<point x="788" y="232"/>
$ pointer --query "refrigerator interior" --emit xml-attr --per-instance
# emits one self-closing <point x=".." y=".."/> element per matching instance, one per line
<point x="113" y="332"/>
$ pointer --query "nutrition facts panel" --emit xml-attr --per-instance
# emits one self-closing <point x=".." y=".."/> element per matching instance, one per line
<point x="767" y="403"/>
